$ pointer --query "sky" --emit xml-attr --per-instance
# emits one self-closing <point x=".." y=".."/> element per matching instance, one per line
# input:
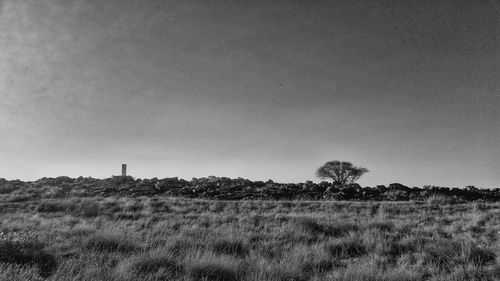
<point x="254" y="89"/>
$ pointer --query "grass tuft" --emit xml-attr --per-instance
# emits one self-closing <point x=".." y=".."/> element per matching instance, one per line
<point x="451" y="254"/>
<point x="347" y="247"/>
<point x="157" y="265"/>
<point x="14" y="272"/>
<point x="108" y="242"/>
<point x="210" y="269"/>
<point x="381" y="225"/>
<point x="231" y="248"/>
<point x="52" y="207"/>
<point x="27" y="253"/>
<point x="480" y="256"/>
<point x="407" y="245"/>
<point x="335" y="230"/>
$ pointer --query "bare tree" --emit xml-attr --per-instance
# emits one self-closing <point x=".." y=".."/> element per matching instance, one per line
<point x="342" y="173"/>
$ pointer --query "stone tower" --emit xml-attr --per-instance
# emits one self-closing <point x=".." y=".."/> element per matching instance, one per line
<point x="124" y="170"/>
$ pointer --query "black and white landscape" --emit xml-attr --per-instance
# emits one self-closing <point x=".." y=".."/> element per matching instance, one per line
<point x="279" y="140"/>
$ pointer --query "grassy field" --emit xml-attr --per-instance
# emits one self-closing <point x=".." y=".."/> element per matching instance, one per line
<point x="181" y="239"/>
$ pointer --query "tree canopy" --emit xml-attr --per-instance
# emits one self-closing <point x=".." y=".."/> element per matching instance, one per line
<point x="341" y="172"/>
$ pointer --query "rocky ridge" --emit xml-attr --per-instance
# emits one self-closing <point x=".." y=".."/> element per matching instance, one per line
<point x="223" y="188"/>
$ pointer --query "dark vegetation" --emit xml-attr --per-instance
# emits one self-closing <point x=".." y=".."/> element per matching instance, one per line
<point x="222" y="188"/>
<point x="340" y="172"/>
<point x="126" y="229"/>
<point x="25" y="253"/>
<point x="153" y="238"/>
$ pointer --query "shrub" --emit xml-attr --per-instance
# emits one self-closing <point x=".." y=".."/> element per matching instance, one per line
<point x="27" y="253"/>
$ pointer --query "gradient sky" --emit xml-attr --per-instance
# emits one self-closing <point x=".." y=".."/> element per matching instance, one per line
<point x="257" y="89"/>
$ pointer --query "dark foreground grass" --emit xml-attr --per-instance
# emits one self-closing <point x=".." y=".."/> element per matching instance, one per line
<point x="128" y="239"/>
<point x="109" y="242"/>
<point x="149" y="265"/>
<point x="27" y="253"/>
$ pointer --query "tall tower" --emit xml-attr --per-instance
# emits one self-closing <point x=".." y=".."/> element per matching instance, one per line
<point x="124" y="170"/>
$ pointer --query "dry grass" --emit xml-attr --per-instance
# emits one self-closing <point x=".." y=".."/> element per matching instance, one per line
<point x="27" y="253"/>
<point x="155" y="265"/>
<point x="125" y="239"/>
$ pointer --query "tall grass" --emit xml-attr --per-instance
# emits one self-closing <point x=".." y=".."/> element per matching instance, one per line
<point x="153" y="239"/>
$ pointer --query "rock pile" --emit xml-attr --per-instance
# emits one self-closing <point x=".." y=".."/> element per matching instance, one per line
<point x="222" y="188"/>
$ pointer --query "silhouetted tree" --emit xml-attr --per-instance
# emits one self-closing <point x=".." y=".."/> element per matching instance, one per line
<point x="342" y="173"/>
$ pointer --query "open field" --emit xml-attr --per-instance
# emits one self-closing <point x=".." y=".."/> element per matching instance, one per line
<point x="161" y="238"/>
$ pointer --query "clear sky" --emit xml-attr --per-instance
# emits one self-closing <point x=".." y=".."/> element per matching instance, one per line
<point x="257" y="89"/>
